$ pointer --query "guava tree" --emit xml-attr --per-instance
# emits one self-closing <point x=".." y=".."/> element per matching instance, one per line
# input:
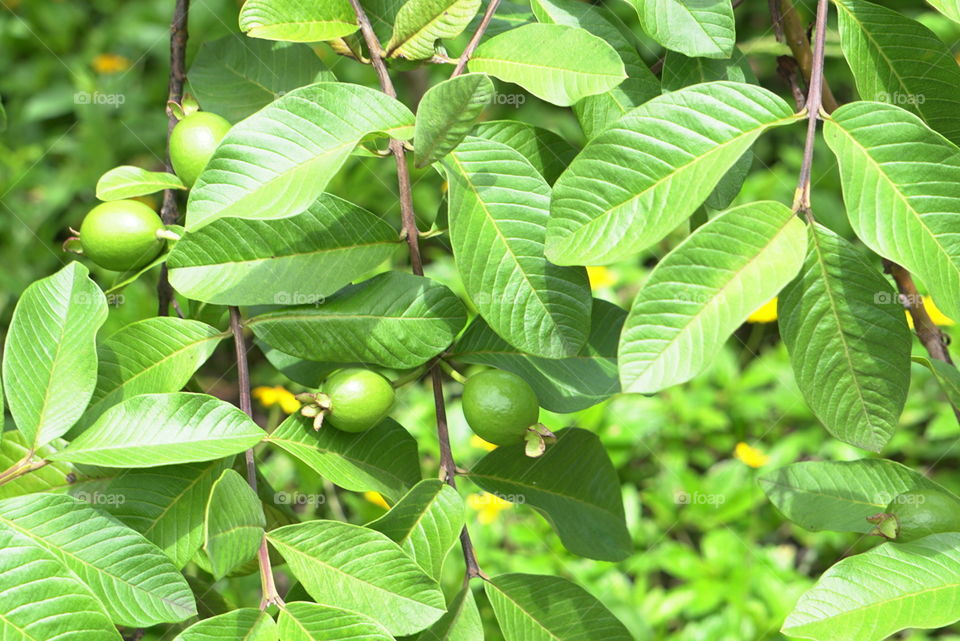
<point x="120" y="473"/>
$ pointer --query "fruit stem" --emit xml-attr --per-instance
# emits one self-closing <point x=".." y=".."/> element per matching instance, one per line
<point x="452" y="372"/>
<point x="267" y="583"/>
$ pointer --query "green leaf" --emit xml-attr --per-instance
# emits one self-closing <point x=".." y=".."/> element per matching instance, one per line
<point x="547" y="152"/>
<point x="870" y="596"/>
<point x="573" y="485"/>
<point x="296" y="260"/>
<point x="278" y="161"/>
<point x="127" y="181"/>
<point x="50" y="357"/>
<point x="447" y="112"/>
<point x="499" y="208"/>
<point x="598" y="112"/>
<point x="395" y="320"/>
<point x="350" y="567"/>
<point x="949" y="8"/>
<point x="700" y="28"/>
<point x="298" y="370"/>
<point x="567" y="64"/>
<point x="234" y="523"/>
<point x="426" y="523"/>
<point x="245" y="624"/>
<point x="901" y="186"/>
<point x="54" y="477"/>
<point x="164" y="429"/>
<point x="166" y="504"/>
<point x="531" y="607"/>
<point x="562" y="385"/>
<point x="137" y="585"/>
<point x="703" y="290"/>
<point x="637" y="181"/>
<point x="149" y="356"/>
<point x="897" y="60"/>
<point x="383" y="459"/>
<point x="297" y="20"/>
<point x="848" y="340"/>
<point x="43" y="600"/>
<point x="839" y="495"/>
<point x="947" y="376"/>
<point x="681" y="71"/>
<point x="302" y="621"/>
<point x="235" y="76"/>
<point x="420" y="23"/>
<point x="461" y="621"/>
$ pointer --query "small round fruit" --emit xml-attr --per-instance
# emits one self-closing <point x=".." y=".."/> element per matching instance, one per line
<point x="924" y="512"/>
<point x="193" y="141"/>
<point x="121" y="235"/>
<point x="499" y="406"/>
<point x="359" y="399"/>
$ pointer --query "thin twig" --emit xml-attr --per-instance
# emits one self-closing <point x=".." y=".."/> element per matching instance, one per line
<point x="170" y="212"/>
<point x="21" y="469"/>
<point x="475" y="40"/>
<point x="408" y="216"/>
<point x="801" y="201"/>
<point x="791" y="29"/>
<point x="267" y="583"/>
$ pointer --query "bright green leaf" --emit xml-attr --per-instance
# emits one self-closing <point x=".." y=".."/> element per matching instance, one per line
<point x="127" y="181"/>
<point x="702" y="28"/>
<point x="302" y="621"/>
<point x="246" y="624"/>
<point x="949" y="8"/>
<point x="447" y="112"/>
<point x="234" y="523"/>
<point x="461" y="621"/>
<point x="420" y="23"/>
<point x="297" y="20"/>
<point x="547" y="152"/>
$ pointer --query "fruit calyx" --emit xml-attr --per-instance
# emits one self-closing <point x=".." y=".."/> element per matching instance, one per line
<point x="316" y="405"/>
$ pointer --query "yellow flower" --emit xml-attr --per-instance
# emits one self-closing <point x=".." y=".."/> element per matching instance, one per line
<point x="600" y="277"/>
<point x="479" y="443"/>
<point x="750" y="455"/>
<point x="270" y="396"/>
<point x="377" y="499"/>
<point x="767" y="313"/>
<point x="488" y="506"/>
<point x="110" y="63"/>
<point x="938" y="317"/>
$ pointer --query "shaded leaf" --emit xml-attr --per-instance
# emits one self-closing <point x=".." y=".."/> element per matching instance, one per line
<point x="547" y="152"/>
<point x="447" y="112"/>
<point x="461" y="621"/>
<point x="234" y="523"/>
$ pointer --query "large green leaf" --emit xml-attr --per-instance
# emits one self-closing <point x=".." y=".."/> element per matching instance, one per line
<point x="302" y="621"/>
<point x="245" y="624"/>
<point x="562" y="384"/>
<point x="43" y="600"/>
<point x="894" y="586"/>
<point x="681" y="71"/>
<point x="296" y="260"/>
<point x="425" y="523"/>
<point x="547" y="152"/>
<point x="420" y="23"/>
<point x="598" y="112"/>
<point x="127" y="181"/>
<point x="151" y="430"/>
<point x="839" y="495"/>
<point x="137" y="585"/>
<point x="447" y="112"/>
<point x="50" y="356"/>
<point x="566" y="65"/>
<point x="532" y="607"/>
<point x="702" y="28"/>
<point x="949" y="8"/>
<point x="234" y="523"/>
<point x="166" y="505"/>
<point x="297" y="20"/>
<point x="574" y="486"/>
<point x="947" y="375"/>
<point x="149" y="356"/>
<point x="499" y="208"/>
<point x="383" y="459"/>
<point x="461" y="621"/>
<point x="901" y="186"/>
<point x="395" y="319"/>
<point x="278" y="161"/>
<point x="898" y="60"/>
<point x="54" y="477"/>
<point x="848" y="340"/>
<point x="350" y="567"/>
<point x="235" y="76"/>
<point x="637" y="181"/>
<point x="703" y="290"/>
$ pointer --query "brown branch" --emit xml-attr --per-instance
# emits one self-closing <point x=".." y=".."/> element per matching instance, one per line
<point x="927" y="331"/>
<point x="170" y="212"/>
<point x="267" y="584"/>
<point x="408" y="216"/>
<point x="475" y="40"/>
<point x="801" y="201"/>
<point x="790" y="28"/>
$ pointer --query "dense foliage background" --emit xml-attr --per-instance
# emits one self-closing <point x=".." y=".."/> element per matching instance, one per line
<point x="84" y="86"/>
